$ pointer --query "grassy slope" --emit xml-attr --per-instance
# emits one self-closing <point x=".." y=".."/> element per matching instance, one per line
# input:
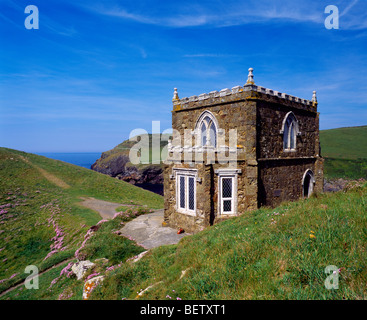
<point x="345" y="152"/>
<point x="253" y="257"/>
<point x="34" y="189"/>
<point x="248" y="257"/>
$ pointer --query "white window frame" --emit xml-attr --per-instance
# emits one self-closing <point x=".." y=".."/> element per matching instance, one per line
<point x="223" y="174"/>
<point x="208" y="123"/>
<point x="187" y="174"/>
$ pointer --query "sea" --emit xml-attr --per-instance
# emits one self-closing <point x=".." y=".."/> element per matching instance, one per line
<point x="81" y="159"/>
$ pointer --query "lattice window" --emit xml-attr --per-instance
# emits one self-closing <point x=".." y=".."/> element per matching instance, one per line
<point x="191" y="193"/>
<point x="182" y="192"/>
<point x="186" y="193"/>
<point x="227" y="187"/>
<point x="227" y="198"/>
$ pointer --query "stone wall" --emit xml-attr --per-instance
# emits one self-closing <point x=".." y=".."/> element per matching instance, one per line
<point x="281" y="172"/>
<point x="207" y="191"/>
<point x="281" y="180"/>
<point x="240" y="115"/>
<point x="270" y="140"/>
<point x="268" y="174"/>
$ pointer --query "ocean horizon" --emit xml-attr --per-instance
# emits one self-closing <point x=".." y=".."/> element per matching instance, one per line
<point x="81" y="159"/>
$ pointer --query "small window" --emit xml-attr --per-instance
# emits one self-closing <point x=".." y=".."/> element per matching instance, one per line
<point x="206" y="128"/>
<point x="227" y="192"/>
<point x="182" y="192"/>
<point x="290" y="132"/>
<point x="191" y="195"/>
<point x="186" y="193"/>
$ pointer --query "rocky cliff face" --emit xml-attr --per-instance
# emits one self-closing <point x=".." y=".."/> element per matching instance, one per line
<point x="116" y="163"/>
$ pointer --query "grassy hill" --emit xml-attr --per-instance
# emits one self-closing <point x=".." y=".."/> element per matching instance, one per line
<point x="41" y="220"/>
<point x="277" y="253"/>
<point x="345" y="152"/>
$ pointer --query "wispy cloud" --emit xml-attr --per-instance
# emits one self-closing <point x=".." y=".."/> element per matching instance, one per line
<point x="209" y="55"/>
<point x="232" y="13"/>
<point x="350" y="6"/>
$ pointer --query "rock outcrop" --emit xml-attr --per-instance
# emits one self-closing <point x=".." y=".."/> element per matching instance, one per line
<point x="116" y="163"/>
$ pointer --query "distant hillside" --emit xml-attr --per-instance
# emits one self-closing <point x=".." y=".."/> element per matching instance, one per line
<point x="116" y="163"/>
<point x="345" y="152"/>
<point x="41" y="220"/>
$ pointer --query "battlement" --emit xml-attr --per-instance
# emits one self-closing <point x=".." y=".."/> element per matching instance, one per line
<point x="248" y="91"/>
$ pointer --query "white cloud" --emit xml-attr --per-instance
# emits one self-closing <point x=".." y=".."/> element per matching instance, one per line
<point x="231" y="13"/>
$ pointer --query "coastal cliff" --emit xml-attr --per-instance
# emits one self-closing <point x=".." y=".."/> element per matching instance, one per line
<point x="116" y="163"/>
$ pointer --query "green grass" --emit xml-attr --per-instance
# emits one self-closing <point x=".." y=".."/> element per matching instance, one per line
<point x="344" y="143"/>
<point x="344" y="168"/>
<point x="345" y="152"/>
<point x="249" y="257"/>
<point x="109" y="245"/>
<point x="34" y="190"/>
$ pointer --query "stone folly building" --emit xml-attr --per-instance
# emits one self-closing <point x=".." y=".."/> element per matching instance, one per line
<point x="275" y="157"/>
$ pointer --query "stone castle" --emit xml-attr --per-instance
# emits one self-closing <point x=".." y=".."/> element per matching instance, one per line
<point x="276" y="154"/>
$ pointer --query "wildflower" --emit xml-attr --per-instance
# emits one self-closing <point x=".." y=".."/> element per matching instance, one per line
<point x="312" y="236"/>
<point x="93" y="275"/>
<point x="178" y="298"/>
<point x="167" y="296"/>
<point x="66" y="271"/>
<point x="101" y="221"/>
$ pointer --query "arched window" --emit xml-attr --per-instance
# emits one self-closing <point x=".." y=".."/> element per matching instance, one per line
<point x="206" y="127"/>
<point x="290" y="132"/>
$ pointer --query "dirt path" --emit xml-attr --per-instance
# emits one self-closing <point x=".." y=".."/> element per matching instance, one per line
<point x="49" y="176"/>
<point x="106" y="209"/>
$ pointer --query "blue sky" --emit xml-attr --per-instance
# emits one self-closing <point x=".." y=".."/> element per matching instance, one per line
<point x="95" y="70"/>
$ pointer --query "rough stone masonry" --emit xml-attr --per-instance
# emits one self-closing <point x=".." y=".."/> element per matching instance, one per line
<point x="277" y="154"/>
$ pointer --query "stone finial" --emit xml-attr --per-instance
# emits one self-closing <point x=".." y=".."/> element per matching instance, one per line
<point x="314" y="99"/>
<point x="175" y="95"/>
<point x="250" y="77"/>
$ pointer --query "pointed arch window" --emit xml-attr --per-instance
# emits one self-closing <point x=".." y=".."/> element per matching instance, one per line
<point x="290" y="131"/>
<point x="206" y="127"/>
